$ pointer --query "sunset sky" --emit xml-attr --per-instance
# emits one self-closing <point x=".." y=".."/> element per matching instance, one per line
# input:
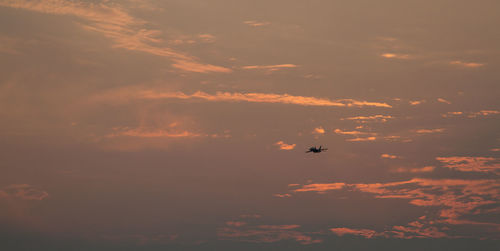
<point x="183" y="125"/>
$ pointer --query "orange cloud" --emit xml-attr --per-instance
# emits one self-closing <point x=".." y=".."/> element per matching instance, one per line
<point x="395" y="56"/>
<point x="256" y="23"/>
<point x="381" y="118"/>
<point x="266" y="234"/>
<point x="207" y="38"/>
<point x="455" y="198"/>
<point x="320" y="187"/>
<point x="269" y="67"/>
<point x="484" y="113"/>
<point x="127" y="94"/>
<point x="388" y="156"/>
<point x="115" y="23"/>
<point x="158" y="133"/>
<point x="471" y="164"/>
<point x="362" y="139"/>
<point x="416" y="102"/>
<point x="427" y="131"/>
<point x="466" y="64"/>
<point x="414" y="229"/>
<point x="367" y="233"/>
<point x="424" y="169"/>
<point x="352" y="102"/>
<point x="338" y="131"/>
<point x="471" y="114"/>
<point x="284" y="146"/>
<point x="319" y="130"/>
<point x="286" y="195"/>
<point x="451" y="114"/>
<point x="442" y="100"/>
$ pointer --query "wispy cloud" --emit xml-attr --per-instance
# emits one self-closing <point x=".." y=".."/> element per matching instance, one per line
<point x="466" y="64"/>
<point x="128" y="94"/>
<point x="23" y="192"/>
<point x="254" y="23"/>
<point x="455" y="198"/>
<point x="367" y="233"/>
<point x="155" y="133"/>
<point x="320" y="187"/>
<point x="265" y="234"/>
<point x="114" y="22"/>
<point x="424" y="169"/>
<point x="416" y="102"/>
<point x="471" y="164"/>
<point x="283" y="146"/>
<point x="395" y="56"/>
<point x="378" y="118"/>
<point x="414" y="229"/>
<point x="269" y="67"/>
<point x="282" y="195"/>
<point x="362" y="139"/>
<point x="442" y="100"/>
<point x="339" y="131"/>
<point x="482" y="113"/>
<point x="389" y="156"/>
<point x="429" y="131"/>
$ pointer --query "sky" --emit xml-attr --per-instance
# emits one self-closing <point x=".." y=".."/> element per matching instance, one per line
<point x="184" y="125"/>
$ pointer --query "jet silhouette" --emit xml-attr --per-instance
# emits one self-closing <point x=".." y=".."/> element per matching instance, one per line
<point x="316" y="150"/>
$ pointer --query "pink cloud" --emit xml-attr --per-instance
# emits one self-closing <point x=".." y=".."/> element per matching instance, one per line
<point x="367" y="233"/>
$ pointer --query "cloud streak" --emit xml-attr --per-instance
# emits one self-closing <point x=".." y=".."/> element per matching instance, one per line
<point x="471" y="164"/>
<point x="129" y="94"/>
<point x="115" y="23"/>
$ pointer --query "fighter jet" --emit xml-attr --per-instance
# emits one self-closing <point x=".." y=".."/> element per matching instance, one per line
<point x="316" y="150"/>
